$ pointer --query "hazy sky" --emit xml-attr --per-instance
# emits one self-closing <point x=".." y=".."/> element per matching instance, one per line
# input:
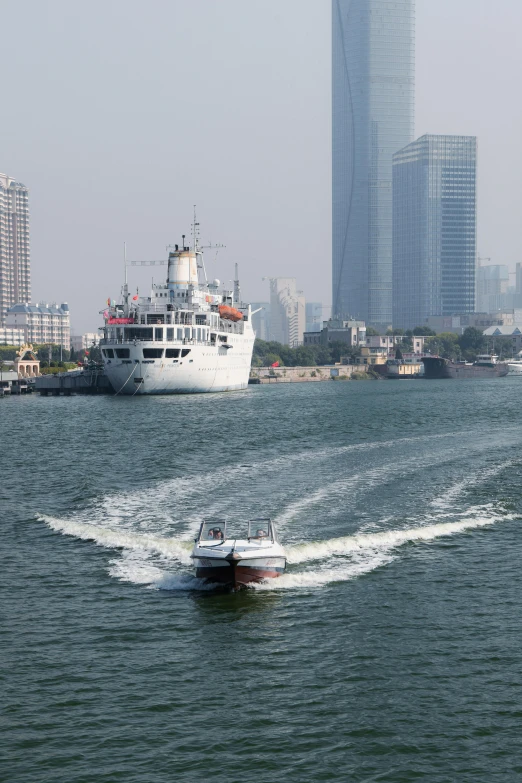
<point x="119" y="115"/>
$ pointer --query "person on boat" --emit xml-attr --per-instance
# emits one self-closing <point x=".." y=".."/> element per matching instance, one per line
<point x="218" y="533"/>
<point x="260" y="533"/>
<point x="210" y="533"/>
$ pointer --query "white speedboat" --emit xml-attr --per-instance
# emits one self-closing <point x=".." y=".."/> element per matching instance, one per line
<point x="238" y="562"/>
<point x="515" y="366"/>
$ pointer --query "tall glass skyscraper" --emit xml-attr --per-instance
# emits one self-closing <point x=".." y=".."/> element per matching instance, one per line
<point x="372" y="116"/>
<point x="434" y="228"/>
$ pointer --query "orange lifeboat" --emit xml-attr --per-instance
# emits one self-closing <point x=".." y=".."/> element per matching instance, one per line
<point x="230" y="313"/>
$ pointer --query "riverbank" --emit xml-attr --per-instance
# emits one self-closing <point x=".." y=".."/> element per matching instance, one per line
<point x="337" y="372"/>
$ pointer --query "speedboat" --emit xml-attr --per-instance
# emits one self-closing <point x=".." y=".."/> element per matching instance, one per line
<point x="238" y="562"/>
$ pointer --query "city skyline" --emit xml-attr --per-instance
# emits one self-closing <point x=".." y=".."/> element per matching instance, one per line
<point x="109" y="148"/>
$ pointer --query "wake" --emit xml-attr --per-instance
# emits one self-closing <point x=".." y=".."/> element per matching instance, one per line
<point x="161" y="562"/>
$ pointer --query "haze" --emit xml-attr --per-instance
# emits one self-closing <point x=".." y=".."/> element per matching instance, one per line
<point x="119" y="116"/>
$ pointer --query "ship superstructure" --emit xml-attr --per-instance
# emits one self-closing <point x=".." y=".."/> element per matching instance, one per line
<point x="188" y="336"/>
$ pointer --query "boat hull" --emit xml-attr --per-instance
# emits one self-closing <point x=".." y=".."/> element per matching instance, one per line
<point x="243" y="573"/>
<point x="436" y="367"/>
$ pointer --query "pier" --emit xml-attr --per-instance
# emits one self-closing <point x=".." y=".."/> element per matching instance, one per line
<point x="88" y="381"/>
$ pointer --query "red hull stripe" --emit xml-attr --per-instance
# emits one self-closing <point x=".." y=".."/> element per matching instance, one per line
<point x="238" y="575"/>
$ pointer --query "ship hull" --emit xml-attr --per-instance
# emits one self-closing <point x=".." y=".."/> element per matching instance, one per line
<point x="435" y="367"/>
<point x="241" y="574"/>
<point x="205" y="368"/>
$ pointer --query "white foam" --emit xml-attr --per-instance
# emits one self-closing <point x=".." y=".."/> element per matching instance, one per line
<point x="447" y="499"/>
<point x="174" y="548"/>
<point x="385" y="540"/>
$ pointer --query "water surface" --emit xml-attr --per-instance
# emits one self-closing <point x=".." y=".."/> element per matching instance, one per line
<point x="389" y="651"/>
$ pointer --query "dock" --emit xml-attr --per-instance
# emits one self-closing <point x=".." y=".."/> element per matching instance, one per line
<point x="88" y="381"/>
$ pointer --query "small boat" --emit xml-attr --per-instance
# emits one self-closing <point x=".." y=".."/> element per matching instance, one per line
<point x="515" y="366"/>
<point x="238" y="562"/>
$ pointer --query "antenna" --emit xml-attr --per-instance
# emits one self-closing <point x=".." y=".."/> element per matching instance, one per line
<point x="195" y="233"/>
<point x="125" y="261"/>
<point x="237" y="289"/>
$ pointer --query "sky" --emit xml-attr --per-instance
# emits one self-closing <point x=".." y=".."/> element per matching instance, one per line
<point x="120" y="115"/>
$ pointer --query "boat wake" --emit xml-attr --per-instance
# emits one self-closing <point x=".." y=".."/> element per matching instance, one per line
<point x="162" y="562"/>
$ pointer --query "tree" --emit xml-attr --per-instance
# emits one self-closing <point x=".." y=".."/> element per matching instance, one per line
<point x="398" y="354"/>
<point x="444" y="344"/>
<point x="424" y="331"/>
<point x="371" y="332"/>
<point x="472" y="340"/>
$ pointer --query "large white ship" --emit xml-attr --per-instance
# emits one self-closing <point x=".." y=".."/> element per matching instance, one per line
<point x="188" y="336"/>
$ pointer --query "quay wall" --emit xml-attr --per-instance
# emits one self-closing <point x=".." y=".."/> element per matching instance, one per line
<point x="300" y="374"/>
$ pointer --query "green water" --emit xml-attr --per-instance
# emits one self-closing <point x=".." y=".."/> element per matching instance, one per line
<point x="390" y="651"/>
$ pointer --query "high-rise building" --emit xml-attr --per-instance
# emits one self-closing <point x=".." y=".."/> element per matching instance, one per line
<point x="15" y="273"/>
<point x="434" y="229"/>
<point x="373" y="47"/>
<point x="261" y="319"/>
<point x="314" y="316"/>
<point x="493" y="292"/>
<point x="287" y="311"/>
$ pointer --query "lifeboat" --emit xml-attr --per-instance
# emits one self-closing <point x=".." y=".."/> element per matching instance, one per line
<point x="230" y="313"/>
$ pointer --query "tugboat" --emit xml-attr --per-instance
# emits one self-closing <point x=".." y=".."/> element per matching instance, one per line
<point x="238" y="562"/>
<point x="485" y="366"/>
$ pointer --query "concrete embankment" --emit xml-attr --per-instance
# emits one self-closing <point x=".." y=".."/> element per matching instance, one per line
<point x="301" y="374"/>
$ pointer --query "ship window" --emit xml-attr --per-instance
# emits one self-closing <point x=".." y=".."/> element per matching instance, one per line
<point x="156" y="318"/>
<point x="158" y="334"/>
<point x="122" y="353"/>
<point x="172" y="353"/>
<point x="187" y="334"/>
<point x="185" y="352"/>
<point x="180" y="334"/>
<point x="108" y="353"/>
<point x="170" y="334"/>
<point x="136" y="333"/>
<point x="152" y="353"/>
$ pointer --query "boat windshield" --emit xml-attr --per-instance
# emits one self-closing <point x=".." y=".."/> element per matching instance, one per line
<point x="215" y="530"/>
<point x="260" y="529"/>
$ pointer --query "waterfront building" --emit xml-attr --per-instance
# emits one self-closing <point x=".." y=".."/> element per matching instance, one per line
<point x="15" y="273"/>
<point x="350" y="332"/>
<point x="373" y="45"/>
<point x="261" y="319"/>
<point x="10" y="336"/>
<point x="514" y="331"/>
<point x="287" y="311"/>
<point x="434" y="229"/>
<point x="82" y="342"/>
<point x="457" y="323"/>
<point x="314" y="316"/>
<point x="41" y="323"/>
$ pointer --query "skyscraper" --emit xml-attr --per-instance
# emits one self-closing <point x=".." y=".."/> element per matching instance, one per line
<point x="287" y="311"/>
<point x="434" y="228"/>
<point x="372" y="117"/>
<point x="15" y="276"/>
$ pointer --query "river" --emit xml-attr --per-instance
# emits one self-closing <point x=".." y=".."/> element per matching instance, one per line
<point x="391" y="650"/>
